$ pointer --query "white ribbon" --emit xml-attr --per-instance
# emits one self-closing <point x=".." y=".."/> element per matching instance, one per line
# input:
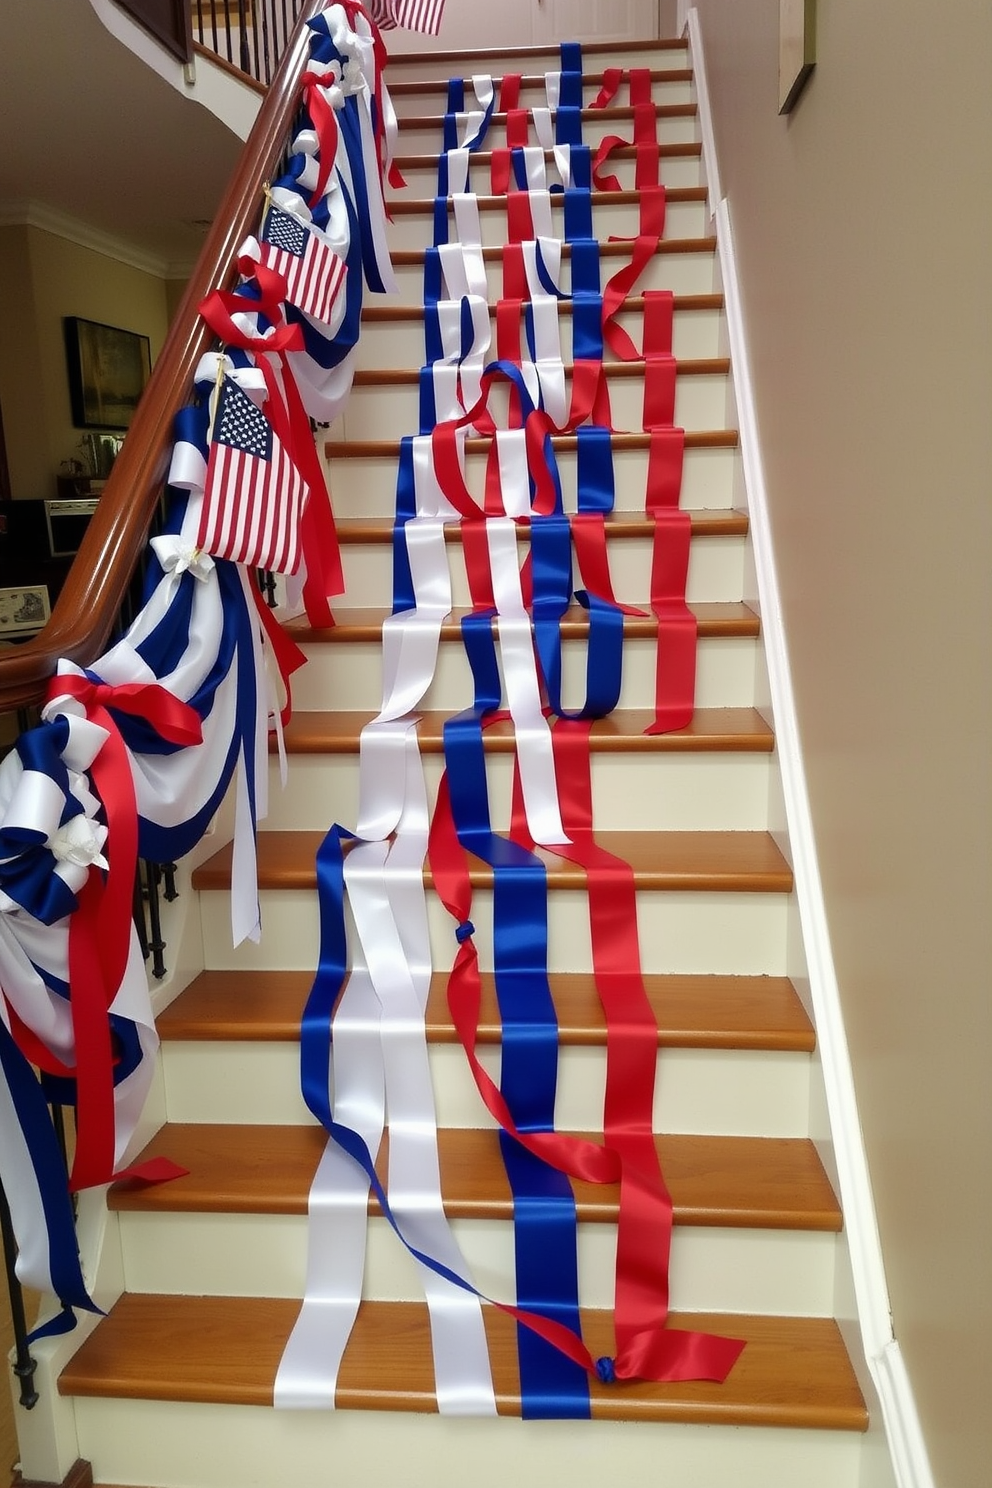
<point x="386" y="894"/>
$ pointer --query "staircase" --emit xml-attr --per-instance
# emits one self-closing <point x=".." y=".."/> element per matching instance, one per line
<point x="175" y="1386"/>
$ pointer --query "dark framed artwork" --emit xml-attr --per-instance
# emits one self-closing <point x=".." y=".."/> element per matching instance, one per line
<point x="796" y="50"/>
<point x="108" y="369"/>
<point x="169" y="21"/>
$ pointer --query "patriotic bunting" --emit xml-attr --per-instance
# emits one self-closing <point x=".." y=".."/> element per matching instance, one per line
<point x="134" y="756"/>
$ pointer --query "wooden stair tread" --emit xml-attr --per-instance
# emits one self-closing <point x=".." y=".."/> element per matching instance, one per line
<point x="365" y="449"/>
<point x="423" y="206"/>
<point x="746" y="1182"/>
<point x="364" y="623"/>
<point x="615" y="372"/>
<point x="621" y="249"/>
<point x="685" y="303"/>
<point x="464" y="55"/>
<point x="686" y="150"/>
<point x="692" y="1011"/>
<point x="416" y="87"/>
<point x="619" y="113"/>
<point x="725" y="862"/>
<point x="704" y="522"/>
<point x="794" y="1371"/>
<point x="623" y="731"/>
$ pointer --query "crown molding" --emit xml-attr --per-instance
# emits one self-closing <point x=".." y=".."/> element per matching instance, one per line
<point x="26" y="212"/>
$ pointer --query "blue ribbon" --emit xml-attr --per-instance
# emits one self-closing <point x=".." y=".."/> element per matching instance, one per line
<point x="406" y="507"/>
<point x="551" y="549"/>
<point x="47" y="1163"/>
<point x="27" y="865"/>
<point x="544" y="1209"/>
<point x="596" y="479"/>
<point x="455" y="106"/>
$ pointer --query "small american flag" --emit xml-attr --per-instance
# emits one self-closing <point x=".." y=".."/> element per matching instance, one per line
<point x="314" y="273"/>
<point x="253" y="492"/>
<point x="411" y="15"/>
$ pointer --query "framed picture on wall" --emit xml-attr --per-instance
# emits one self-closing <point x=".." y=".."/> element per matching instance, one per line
<point x="108" y="369"/>
<point x="23" y="611"/>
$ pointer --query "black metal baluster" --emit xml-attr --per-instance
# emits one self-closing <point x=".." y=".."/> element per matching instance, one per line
<point x="138" y="913"/>
<point x="267" y="75"/>
<point x="243" y="47"/>
<point x="153" y="877"/>
<point x="24" y="1364"/>
<point x="255" y="40"/>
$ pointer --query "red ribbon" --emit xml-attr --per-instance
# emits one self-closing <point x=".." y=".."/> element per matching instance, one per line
<point x="660" y="367"/>
<point x="325" y="125"/>
<point x="574" y="1156"/>
<point x="100" y="929"/>
<point x="286" y="653"/>
<point x="646" y="1349"/>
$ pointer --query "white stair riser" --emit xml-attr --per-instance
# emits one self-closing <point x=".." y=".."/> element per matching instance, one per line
<point x="684" y="273"/>
<point x="728" y="1092"/>
<point x="663" y="91"/>
<point x="366" y="486"/>
<point x="534" y="64"/>
<point x="609" y="218"/>
<point x="700" y="403"/>
<point x="676" y="171"/>
<point x="162" y="1442"/>
<point x="425" y="136"/>
<point x="633" y="792"/>
<point x="349" y="675"/>
<point x="399" y="344"/>
<point x="264" y="1255"/>
<point x="679" y="932"/>
<point x="716" y="570"/>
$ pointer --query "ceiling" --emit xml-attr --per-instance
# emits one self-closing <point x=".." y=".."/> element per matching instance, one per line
<point x="89" y="131"/>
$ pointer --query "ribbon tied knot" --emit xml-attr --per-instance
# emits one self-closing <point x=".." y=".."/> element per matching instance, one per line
<point x="178" y="557"/>
<point x="79" y="841"/>
<point x="464" y="931"/>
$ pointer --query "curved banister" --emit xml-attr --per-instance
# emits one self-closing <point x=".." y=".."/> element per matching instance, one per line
<point x="94" y="591"/>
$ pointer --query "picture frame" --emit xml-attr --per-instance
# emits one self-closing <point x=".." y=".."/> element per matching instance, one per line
<point x="23" y="610"/>
<point x="108" y="368"/>
<point x="796" y="50"/>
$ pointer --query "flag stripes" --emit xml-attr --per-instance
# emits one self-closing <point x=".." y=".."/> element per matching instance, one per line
<point x="313" y="272"/>
<point x="411" y="15"/>
<point x="253" y="494"/>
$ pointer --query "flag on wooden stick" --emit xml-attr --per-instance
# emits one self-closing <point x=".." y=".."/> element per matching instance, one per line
<point x="313" y="272"/>
<point x="411" y="15"/>
<point x="253" y="493"/>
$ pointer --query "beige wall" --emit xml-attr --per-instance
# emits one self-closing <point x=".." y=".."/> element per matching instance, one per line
<point x="51" y="277"/>
<point x="864" y="233"/>
<point x="20" y="370"/>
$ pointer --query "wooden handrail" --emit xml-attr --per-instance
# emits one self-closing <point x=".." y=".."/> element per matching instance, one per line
<point x="94" y="591"/>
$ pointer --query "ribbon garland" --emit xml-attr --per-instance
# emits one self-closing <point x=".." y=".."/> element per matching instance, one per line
<point x="157" y="728"/>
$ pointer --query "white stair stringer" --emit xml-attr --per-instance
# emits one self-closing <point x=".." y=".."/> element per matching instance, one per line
<point x="755" y="1092"/>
